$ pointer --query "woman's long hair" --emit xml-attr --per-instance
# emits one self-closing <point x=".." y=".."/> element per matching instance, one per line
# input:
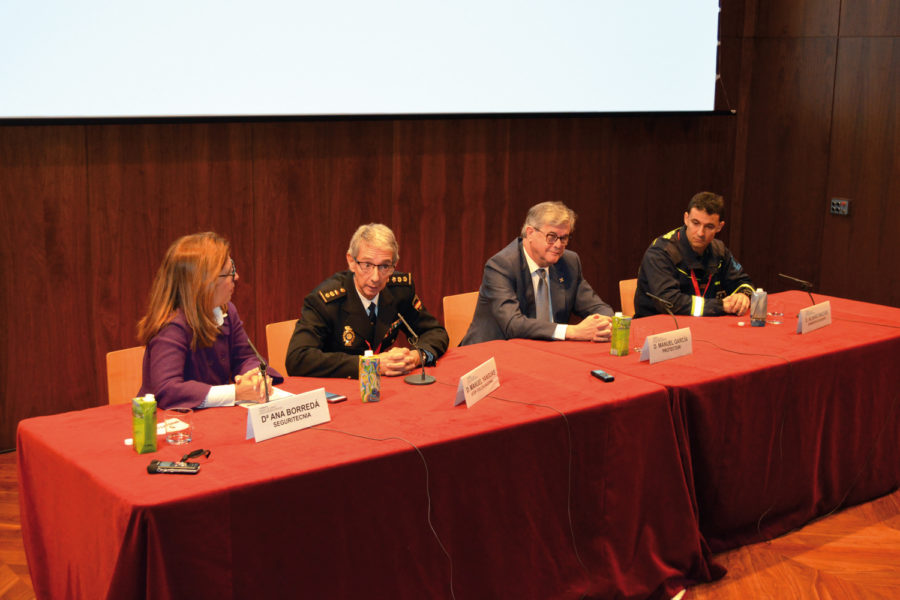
<point x="186" y="279"/>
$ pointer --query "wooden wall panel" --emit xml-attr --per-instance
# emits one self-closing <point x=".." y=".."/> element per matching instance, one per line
<point x="735" y="16"/>
<point x="870" y="18"/>
<point x="314" y="183"/>
<point x="46" y="332"/>
<point x="860" y="253"/>
<point x="451" y="201"/>
<point x="788" y="124"/>
<point x="797" y="18"/>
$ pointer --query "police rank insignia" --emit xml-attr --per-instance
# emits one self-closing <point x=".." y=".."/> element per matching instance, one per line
<point x="349" y="336"/>
<point x="328" y="296"/>
<point x="417" y="304"/>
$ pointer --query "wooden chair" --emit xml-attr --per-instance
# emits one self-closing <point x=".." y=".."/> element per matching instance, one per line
<point x="124" y="373"/>
<point x="278" y="336"/>
<point x="458" y="312"/>
<point x="626" y="296"/>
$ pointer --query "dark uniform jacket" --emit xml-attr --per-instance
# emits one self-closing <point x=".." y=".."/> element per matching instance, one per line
<point x="666" y="272"/>
<point x="506" y="307"/>
<point x="334" y="328"/>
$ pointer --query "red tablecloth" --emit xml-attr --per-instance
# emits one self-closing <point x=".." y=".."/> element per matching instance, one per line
<point x="324" y="514"/>
<point x="780" y="427"/>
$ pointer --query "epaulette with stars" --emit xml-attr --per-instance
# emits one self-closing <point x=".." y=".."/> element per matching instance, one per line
<point x="332" y="294"/>
<point x="401" y="279"/>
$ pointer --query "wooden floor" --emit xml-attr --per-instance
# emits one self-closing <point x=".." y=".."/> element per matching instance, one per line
<point x="849" y="555"/>
<point x="854" y="554"/>
<point x="15" y="583"/>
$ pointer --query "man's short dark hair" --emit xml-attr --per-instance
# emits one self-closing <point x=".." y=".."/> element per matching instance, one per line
<point x="713" y="204"/>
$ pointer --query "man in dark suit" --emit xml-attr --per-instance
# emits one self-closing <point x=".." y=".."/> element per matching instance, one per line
<point x="359" y="309"/>
<point x="532" y="287"/>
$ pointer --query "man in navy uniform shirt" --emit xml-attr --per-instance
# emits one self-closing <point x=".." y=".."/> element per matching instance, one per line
<point x="691" y="269"/>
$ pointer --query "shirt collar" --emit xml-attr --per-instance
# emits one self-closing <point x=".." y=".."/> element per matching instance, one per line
<point x="365" y="301"/>
<point x="532" y="266"/>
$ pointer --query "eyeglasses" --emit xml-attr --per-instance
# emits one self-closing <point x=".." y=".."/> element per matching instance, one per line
<point x="366" y="267"/>
<point x="200" y="456"/>
<point x="233" y="272"/>
<point x="552" y="237"/>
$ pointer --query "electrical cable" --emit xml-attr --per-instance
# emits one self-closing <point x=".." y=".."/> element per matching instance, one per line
<point x="569" y="490"/>
<point x="427" y="488"/>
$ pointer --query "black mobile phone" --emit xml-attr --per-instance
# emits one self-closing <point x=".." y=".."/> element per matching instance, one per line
<point x="600" y="374"/>
<point x="334" y="398"/>
<point x="167" y="466"/>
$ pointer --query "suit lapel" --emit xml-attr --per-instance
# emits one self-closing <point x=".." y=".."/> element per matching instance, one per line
<point x="526" y="285"/>
<point x="387" y="314"/>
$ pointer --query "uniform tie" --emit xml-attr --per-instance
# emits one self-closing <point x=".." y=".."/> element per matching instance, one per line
<point x="372" y="321"/>
<point x="542" y="302"/>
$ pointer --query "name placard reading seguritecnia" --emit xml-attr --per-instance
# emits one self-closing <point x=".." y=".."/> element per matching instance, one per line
<point x="265" y="421"/>
<point x="477" y="383"/>
<point x="670" y="344"/>
<point x="814" y="317"/>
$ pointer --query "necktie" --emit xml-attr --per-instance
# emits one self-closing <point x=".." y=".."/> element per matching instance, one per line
<point x="542" y="301"/>
<point x="372" y="321"/>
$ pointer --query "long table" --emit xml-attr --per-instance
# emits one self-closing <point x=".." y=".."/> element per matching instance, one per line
<point x="555" y="486"/>
<point x="780" y="427"/>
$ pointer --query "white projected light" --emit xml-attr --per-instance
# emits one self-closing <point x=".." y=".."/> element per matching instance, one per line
<point x="277" y="57"/>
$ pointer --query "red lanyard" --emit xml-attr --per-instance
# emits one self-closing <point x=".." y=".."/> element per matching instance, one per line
<point x="697" y="287"/>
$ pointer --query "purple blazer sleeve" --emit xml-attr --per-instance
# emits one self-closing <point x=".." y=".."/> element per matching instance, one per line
<point x="181" y="377"/>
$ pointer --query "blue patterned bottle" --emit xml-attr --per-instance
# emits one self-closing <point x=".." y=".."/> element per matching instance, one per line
<point x="758" y="308"/>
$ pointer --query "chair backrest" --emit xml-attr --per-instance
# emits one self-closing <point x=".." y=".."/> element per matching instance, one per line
<point x="124" y="373"/>
<point x="626" y="296"/>
<point x="458" y="312"/>
<point x="278" y="336"/>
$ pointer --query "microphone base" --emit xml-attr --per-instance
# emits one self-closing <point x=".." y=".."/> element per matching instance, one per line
<point x="419" y="379"/>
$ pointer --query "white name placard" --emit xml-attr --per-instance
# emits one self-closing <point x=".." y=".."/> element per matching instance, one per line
<point x="265" y="421"/>
<point x="477" y="383"/>
<point x="670" y="344"/>
<point x="814" y="317"/>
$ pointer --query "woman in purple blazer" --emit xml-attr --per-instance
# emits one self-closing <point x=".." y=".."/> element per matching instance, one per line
<point x="197" y="352"/>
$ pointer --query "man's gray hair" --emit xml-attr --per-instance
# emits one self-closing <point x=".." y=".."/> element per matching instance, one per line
<point x="377" y="235"/>
<point x="555" y="214"/>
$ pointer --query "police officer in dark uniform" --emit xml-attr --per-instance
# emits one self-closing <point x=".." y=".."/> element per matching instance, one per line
<point x="691" y="269"/>
<point x="356" y="310"/>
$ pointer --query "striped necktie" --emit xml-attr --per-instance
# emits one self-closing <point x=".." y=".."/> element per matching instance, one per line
<point x="542" y="301"/>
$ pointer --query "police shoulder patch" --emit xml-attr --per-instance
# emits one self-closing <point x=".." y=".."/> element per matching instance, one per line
<point x="672" y="235"/>
<point x="331" y="294"/>
<point x="400" y="279"/>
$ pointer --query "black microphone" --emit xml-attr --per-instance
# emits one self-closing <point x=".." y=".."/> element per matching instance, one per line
<point x="422" y="379"/>
<point x="805" y="285"/>
<point x="262" y="366"/>
<point x="665" y="304"/>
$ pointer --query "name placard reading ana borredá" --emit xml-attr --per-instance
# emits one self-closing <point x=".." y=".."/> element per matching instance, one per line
<point x="266" y="421"/>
